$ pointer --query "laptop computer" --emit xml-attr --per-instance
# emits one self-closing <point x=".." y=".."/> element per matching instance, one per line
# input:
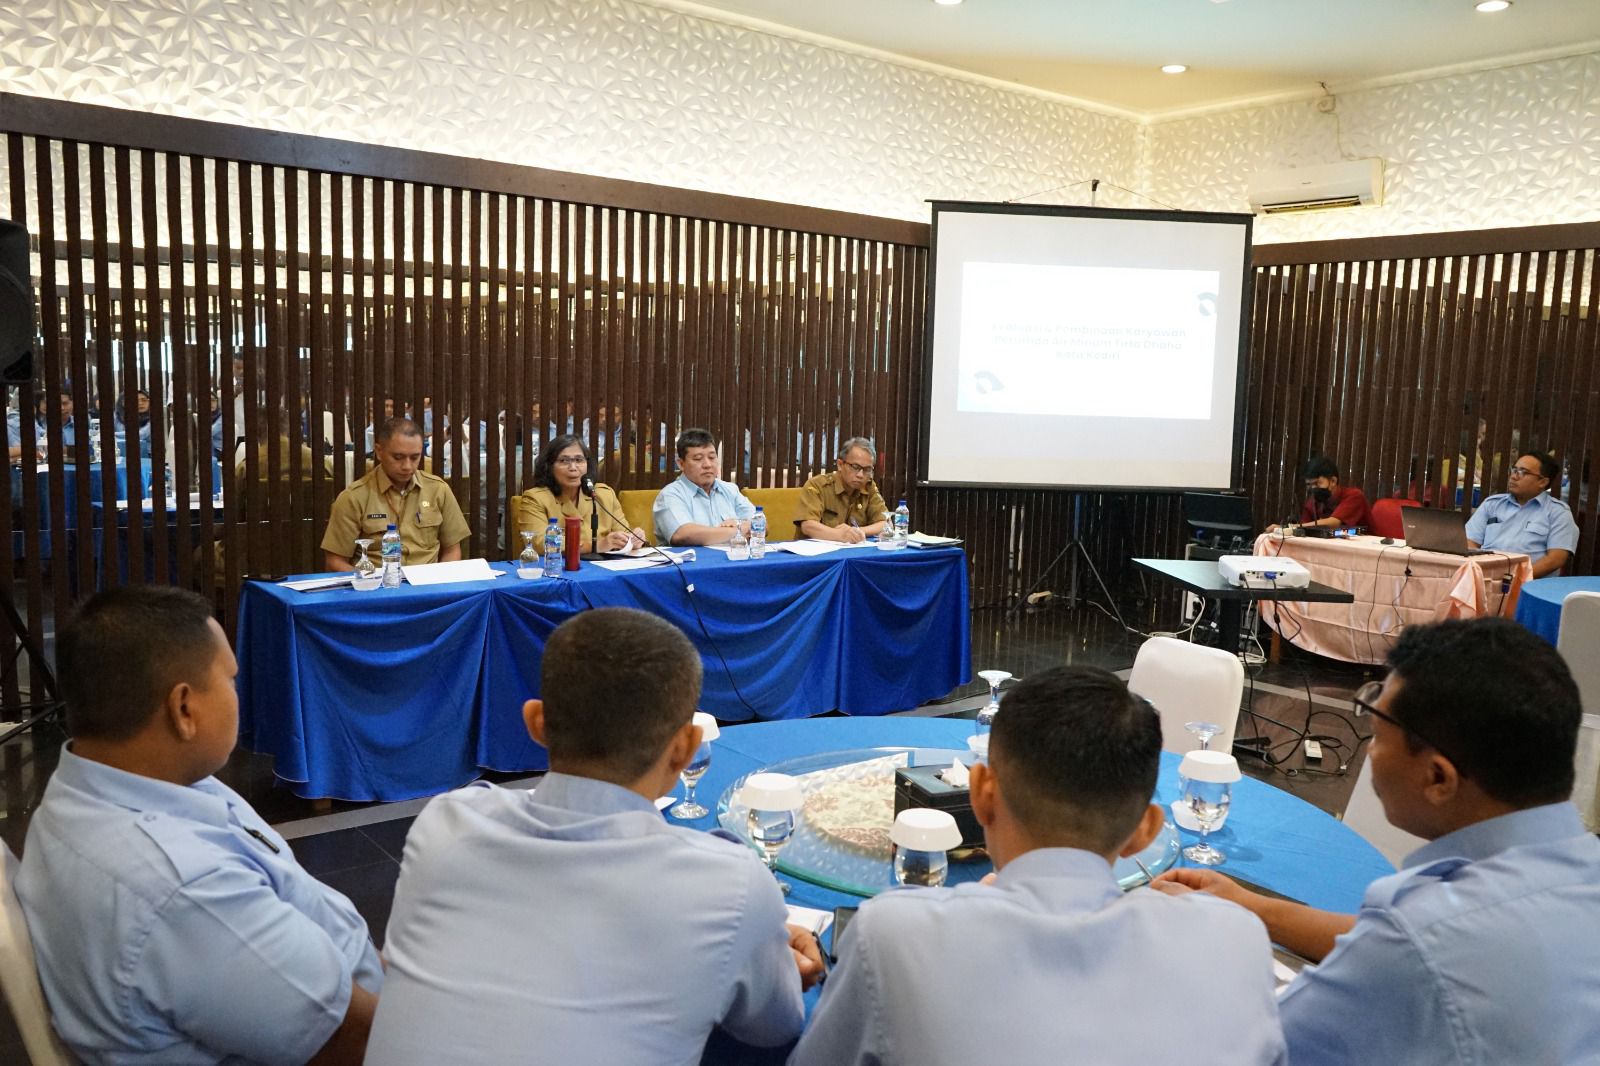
<point x="1434" y="530"/>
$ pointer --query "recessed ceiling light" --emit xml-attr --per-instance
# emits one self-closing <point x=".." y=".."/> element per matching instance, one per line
<point x="1488" y="7"/>
<point x="1174" y="68"/>
<point x="947" y="3"/>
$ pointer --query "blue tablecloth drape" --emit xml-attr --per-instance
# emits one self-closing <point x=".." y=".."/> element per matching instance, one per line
<point x="407" y="692"/>
<point x="1539" y="602"/>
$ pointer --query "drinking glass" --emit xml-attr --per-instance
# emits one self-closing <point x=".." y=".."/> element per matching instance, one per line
<point x="529" y="559"/>
<point x="1208" y="801"/>
<point x="364" y="565"/>
<point x="1203" y="732"/>
<point x="696" y="769"/>
<point x="772" y="800"/>
<point x="922" y="837"/>
<point x="985" y="720"/>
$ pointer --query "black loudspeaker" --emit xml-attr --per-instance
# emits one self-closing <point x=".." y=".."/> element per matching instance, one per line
<point x="16" y="306"/>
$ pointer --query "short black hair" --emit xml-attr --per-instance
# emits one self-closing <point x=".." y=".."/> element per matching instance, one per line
<point x="694" y="438"/>
<point x="1077" y="756"/>
<point x="1498" y="701"/>
<point x="616" y="684"/>
<point x="1548" y="467"/>
<point x="399" y="425"/>
<point x="1320" y="466"/>
<point x="125" y="650"/>
<point x="544" y="467"/>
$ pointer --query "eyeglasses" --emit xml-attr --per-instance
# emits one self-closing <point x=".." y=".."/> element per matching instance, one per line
<point x="858" y="468"/>
<point x="1364" y="698"/>
<point x="572" y="460"/>
<point x="1522" y="471"/>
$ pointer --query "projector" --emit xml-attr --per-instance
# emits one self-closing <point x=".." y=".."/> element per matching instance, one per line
<point x="1263" y="572"/>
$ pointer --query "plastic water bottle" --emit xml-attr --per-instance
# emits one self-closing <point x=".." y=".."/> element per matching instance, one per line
<point x="392" y="554"/>
<point x="552" y="550"/>
<point x="902" y="525"/>
<point x="738" y="547"/>
<point x="758" y="534"/>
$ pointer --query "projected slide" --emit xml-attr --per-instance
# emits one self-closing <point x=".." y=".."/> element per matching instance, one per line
<point x="1133" y="342"/>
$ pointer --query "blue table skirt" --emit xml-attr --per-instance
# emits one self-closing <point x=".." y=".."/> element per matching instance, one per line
<point x="1539" y="603"/>
<point x="400" y="693"/>
<point x="1271" y="838"/>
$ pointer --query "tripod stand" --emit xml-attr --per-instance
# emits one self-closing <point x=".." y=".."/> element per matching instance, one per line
<point x="42" y="678"/>
<point x="1074" y="549"/>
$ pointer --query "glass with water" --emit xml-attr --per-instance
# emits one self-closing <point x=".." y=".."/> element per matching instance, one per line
<point x="1208" y="802"/>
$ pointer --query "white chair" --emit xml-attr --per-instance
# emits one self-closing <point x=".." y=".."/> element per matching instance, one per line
<point x="1189" y="683"/>
<point x="1577" y="641"/>
<point x="1364" y="814"/>
<point x="20" y="978"/>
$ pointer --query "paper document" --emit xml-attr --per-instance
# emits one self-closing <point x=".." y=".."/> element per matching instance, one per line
<point x="810" y="918"/>
<point x="449" y="573"/>
<point x="928" y="540"/>
<point x="640" y="558"/>
<point x="807" y="548"/>
<point x="318" y="584"/>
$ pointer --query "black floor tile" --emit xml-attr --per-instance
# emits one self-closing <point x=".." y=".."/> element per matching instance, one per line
<point x="390" y="836"/>
<point x="331" y="853"/>
<point x="371" y="889"/>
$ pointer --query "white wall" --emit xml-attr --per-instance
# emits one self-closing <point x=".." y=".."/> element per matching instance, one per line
<point x="1518" y="146"/>
<point x="626" y="89"/>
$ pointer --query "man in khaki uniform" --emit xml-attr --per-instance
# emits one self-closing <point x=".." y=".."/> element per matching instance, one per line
<point x="845" y="505"/>
<point x="420" y="505"/>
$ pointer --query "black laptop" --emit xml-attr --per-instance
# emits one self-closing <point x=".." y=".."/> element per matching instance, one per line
<point x="1434" y="530"/>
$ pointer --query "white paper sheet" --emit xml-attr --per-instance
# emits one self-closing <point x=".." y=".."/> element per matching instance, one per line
<point x="449" y="573"/>
<point x="928" y="540"/>
<point x="643" y="557"/>
<point x="317" y="584"/>
<point x="807" y="548"/>
<point x="810" y="918"/>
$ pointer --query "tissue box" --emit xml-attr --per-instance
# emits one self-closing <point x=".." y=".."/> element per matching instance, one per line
<point x="921" y="786"/>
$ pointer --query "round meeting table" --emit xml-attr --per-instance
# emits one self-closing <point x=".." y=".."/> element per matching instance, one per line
<point x="1539" y="603"/>
<point x="1272" y="839"/>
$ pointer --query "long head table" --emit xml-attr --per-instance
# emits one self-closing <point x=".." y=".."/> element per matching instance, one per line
<point x="408" y="692"/>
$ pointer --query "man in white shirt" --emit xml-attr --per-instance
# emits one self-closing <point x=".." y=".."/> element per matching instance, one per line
<point x="1052" y="962"/>
<point x="573" y="924"/>
<point x="699" y="507"/>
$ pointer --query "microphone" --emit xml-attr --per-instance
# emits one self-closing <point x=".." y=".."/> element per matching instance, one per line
<point x="586" y="486"/>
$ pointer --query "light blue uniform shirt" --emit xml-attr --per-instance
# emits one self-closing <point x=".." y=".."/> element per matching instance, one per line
<point x="1050" y="964"/>
<point x="1485" y="949"/>
<point x="684" y="501"/>
<point x="167" y="935"/>
<point x="1532" y="528"/>
<point x="574" y="925"/>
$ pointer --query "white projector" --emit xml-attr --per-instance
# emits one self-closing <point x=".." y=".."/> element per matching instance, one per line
<point x="1263" y="572"/>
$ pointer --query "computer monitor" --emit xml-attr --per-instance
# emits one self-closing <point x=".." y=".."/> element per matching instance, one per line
<point x="1217" y="516"/>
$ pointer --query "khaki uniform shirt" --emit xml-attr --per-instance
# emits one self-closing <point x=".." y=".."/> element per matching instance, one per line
<point x="537" y="506"/>
<point x="426" y="515"/>
<point x="823" y="500"/>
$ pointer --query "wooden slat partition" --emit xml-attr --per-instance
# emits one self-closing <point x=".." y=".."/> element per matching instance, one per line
<point x="342" y="276"/>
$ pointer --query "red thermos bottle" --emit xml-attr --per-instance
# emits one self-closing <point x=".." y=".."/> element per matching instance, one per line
<point x="573" y="542"/>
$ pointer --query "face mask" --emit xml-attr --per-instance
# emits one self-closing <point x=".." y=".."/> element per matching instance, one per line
<point x="1320" y="494"/>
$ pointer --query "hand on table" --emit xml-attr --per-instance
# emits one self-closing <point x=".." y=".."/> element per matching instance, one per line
<point x="807" y="953"/>
<point x="1176" y="882"/>
<point x="849" y="534"/>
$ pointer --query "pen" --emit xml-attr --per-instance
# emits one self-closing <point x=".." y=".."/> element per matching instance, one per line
<point x="1148" y="876"/>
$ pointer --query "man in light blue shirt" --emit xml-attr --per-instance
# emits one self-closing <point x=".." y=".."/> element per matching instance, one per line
<point x="1052" y="963"/>
<point x="171" y="925"/>
<point x="1526" y="518"/>
<point x="1485" y="948"/>
<point x="573" y="924"/>
<point x="699" y="507"/>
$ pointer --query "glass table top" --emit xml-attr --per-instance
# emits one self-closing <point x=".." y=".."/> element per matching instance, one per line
<point x="841" y="838"/>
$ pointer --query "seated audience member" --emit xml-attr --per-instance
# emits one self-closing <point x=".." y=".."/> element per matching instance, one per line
<point x="699" y="507"/>
<point x="1052" y="962"/>
<point x="845" y="505"/>
<point x="171" y="924"/>
<point x="557" y="493"/>
<point x="573" y="923"/>
<point x="69" y="424"/>
<point x="1483" y="949"/>
<point x="1526" y="518"/>
<point x="421" y="506"/>
<point x="1331" y="504"/>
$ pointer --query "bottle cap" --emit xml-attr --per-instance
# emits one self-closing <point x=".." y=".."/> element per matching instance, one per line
<point x="391" y="527"/>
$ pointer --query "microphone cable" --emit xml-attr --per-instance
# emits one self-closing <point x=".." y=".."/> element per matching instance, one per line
<point x="688" y="593"/>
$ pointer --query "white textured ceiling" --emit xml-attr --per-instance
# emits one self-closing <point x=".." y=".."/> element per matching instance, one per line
<point x="1109" y="52"/>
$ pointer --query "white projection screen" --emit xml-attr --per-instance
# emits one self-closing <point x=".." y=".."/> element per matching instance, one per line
<point x="1085" y="347"/>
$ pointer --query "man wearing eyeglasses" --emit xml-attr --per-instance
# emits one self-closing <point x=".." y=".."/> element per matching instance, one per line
<point x="1526" y="518"/>
<point x="1483" y="948"/>
<point x="845" y="505"/>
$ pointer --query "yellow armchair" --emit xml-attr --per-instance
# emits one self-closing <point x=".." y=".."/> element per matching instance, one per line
<point x="782" y="507"/>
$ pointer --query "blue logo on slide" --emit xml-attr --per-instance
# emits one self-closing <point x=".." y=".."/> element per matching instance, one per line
<point x="1208" y="304"/>
<point x="987" y="383"/>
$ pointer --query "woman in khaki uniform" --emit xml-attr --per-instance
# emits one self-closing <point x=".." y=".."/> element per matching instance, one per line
<point x="557" y="474"/>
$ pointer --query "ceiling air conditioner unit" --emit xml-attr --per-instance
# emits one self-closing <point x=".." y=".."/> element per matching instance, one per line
<point x="1316" y="188"/>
